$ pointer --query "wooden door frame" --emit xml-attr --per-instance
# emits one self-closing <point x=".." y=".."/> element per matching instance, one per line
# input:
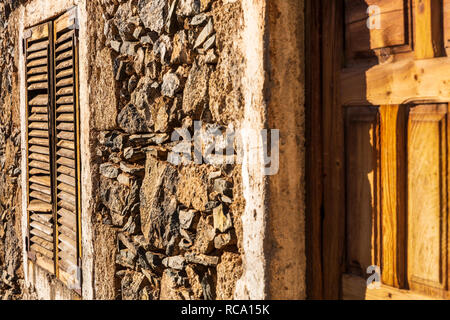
<point x="325" y="171"/>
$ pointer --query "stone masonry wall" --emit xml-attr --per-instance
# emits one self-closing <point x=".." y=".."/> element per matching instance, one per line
<point x="164" y="231"/>
<point x="11" y="270"/>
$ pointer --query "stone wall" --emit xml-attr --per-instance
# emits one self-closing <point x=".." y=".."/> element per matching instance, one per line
<point x="11" y="270"/>
<point x="160" y="66"/>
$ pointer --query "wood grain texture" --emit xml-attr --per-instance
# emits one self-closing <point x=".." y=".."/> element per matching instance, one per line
<point x="333" y="144"/>
<point x="427" y="199"/>
<point x="397" y="83"/>
<point x="447" y="26"/>
<point x="393" y="197"/>
<point x="428" y="41"/>
<point x="392" y="24"/>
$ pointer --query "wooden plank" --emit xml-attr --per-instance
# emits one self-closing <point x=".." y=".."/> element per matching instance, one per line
<point x="65" y="117"/>
<point x="355" y="288"/>
<point x="38" y="46"/>
<point x="64" y="82"/>
<point x="66" y="153"/>
<point x="38" y="149"/>
<point x="38" y="117"/>
<point x="65" y="100"/>
<point x="39" y="226"/>
<point x="427" y="199"/>
<point x="40" y="100"/>
<point x="64" y="73"/>
<point x="66" y="126"/>
<point x="428" y="41"/>
<point x="45" y="219"/>
<point x="66" y="144"/>
<point x="65" y="108"/>
<point x="39" y="110"/>
<point x="66" y="188"/>
<point x="63" y="47"/>
<point x="43" y="243"/>
<point x="38" y="54"/>
<point x="37" y="78"/>
<point x="393" y="197"/>
<point x="66" y="179"/>
<point x="38" y="125"/>
<point x="66" y="135"/>
<point x="65" y="91"/>
<point x="39" y="62"/>
<point x="64" y="64"/>
<point x="391" y="31"/>
<point x="37" y="70"/>
<point x="40" y="188"/>
<point x="38" y="32"/>
<point x="397" y="83"/>
<point x="66" y="162"/>
<point x="69" y="244"/>
<point x="39" y="141"/>
<point x="333" y="142"/>
<point x="39" y="157"/>
<point x="363" y="192"/>
<point x="39" y="206"/>
<point x="64" y="37"/>
<point x="42" y="180"/>
<point x="38" y="86"/>
<point x="39" y="164"/>
<point x="67" y="197"/>
<point x="447" y="26"/>
<point x="66" y="205"/>
<point x="67" y="232"/>
<point x="63" y="56"/>
<point x="41" y="196"/>
<point x="66" y="213"/>
<point x="41" y="234"/>
<point x="34" y="171"/>
<point x="66" y="170"/>
<point x="37" y="248"/>
<point x="69" y="223"/>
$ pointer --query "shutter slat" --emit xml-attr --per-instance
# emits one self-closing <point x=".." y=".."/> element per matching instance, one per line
<point x="39" y="141"/>
<point x="37" y="225"/>
<point x="38" y="133"/>
<point x="45" y="219"/>
<point x="41" y="196"/>
<point x="63" y="47"/>
<point x="41" y="234"/>
<point x="65" y="100"/>
<point x="64" y="64"/>
<point x="64" y="56"/>
<point x="41" y="150"/>
<point x="66" y="127"/>
<point x="68" y="232"/>
<point x="67" y="197"/>
<point x="38" y="54"/>
<point x="69" y="223"/>
<point x="66" y="144"/>
<point x="40" y="100"/>
<point x="38" y="171"/>
<point x="38" y="78"/>
<point x="39" y="62"/>
<point x="38" y="117"/>
<point x="38" y="46"/>
<point x="66" y="36"/>
<point x="65" y="91"/>
<point x="37" y="248"/>
<point x="39" y="110"/>
<point x="45" y="181"/>
<point x="66" y="135"/>
<point x="65" y="117"/>
<point x="39" y="157"/>
<point x="66" y="179"/>
<point x="66" y="153"/>
<point x="39" y="206"/>
<point x="39" y="164"/>
<point x="38" y="86"/>
<point x="37" y="70"/>
<point x="65" y="108"/>
<point x="43" y="243"/>
<point x="66" y="188"/>
<point x="64" y="82"/>
<point x="67" y="171"/>
<point x="41" y="188"/>
<point x="71" y="244"/>
<point x="66" y="162"/>
<point x="64" y="73"/>
<point x="38" y="125"/>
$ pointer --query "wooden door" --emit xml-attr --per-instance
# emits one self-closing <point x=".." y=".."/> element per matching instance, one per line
<point x="380" y="113"/>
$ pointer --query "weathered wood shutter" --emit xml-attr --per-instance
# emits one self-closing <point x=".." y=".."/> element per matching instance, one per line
<point x="53" y="166"/>
<point x="40" y="201"/>
<point x="67" y="153"/>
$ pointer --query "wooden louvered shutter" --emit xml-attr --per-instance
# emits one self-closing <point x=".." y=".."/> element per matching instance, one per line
<point x="40" y="239"/>
<point x="67" y="157"/>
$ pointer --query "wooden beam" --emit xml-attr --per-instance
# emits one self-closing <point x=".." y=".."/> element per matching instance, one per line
<point x="398" y="83"/>
<point x="393" y="197"/>
<point x="333" y="146"/>
<point x="428" y="40"/>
